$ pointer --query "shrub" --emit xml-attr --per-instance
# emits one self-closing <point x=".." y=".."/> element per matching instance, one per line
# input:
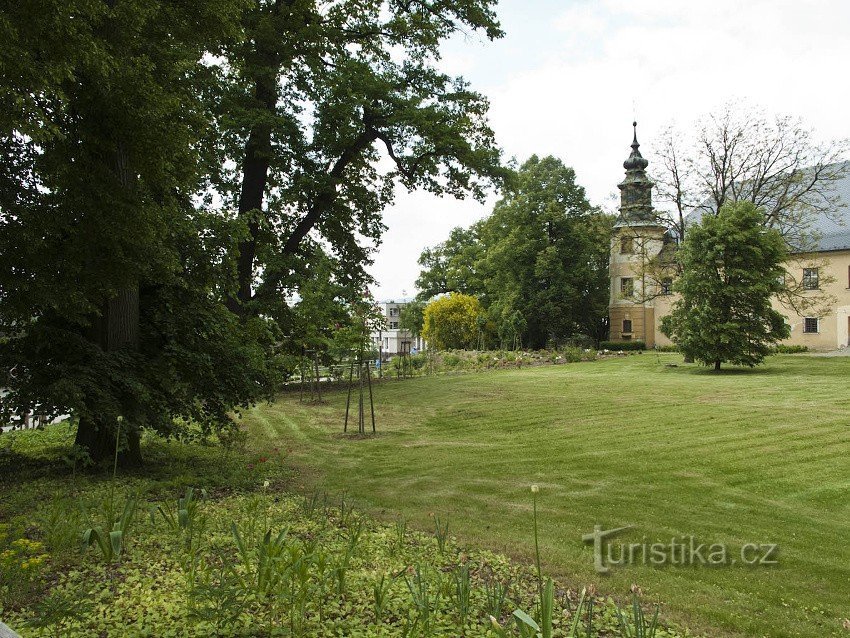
<point x="622" y="345"/>
<point x="670" y="348"/>
<point x="782" y="348"/>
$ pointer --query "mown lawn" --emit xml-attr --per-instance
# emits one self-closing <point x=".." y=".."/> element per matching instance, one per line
<point x="758" y="456"/>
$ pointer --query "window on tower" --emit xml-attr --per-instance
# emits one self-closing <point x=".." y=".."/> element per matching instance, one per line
<point x="627" y="326"/>
<point x="627" y="287"/>
<point x="627" y="245"/>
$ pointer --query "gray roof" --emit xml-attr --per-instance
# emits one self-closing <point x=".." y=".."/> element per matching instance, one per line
<point x="830" y="229"/>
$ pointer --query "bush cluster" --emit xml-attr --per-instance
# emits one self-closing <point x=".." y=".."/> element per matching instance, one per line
<point x="622" y="345"/>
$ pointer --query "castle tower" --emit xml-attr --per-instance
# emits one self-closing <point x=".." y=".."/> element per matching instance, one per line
<point x="638" y="236"/>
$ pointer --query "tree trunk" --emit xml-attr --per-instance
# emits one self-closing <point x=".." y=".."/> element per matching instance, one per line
<point x="115" y="328"/>
<point x="99" y="440"/>
<point x="717" y="366"/>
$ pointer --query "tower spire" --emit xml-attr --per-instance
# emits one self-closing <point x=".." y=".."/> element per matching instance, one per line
<point x="635" y="161"/>
<point x="636" y="189"/>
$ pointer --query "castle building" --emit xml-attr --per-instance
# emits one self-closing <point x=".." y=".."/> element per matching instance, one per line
<point x="641" y="295"/>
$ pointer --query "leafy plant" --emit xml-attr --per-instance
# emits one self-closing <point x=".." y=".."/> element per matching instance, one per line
<point x="400" y="528"/>
<point x="528" y="627"/>
<point x="60" y="605"/>
<point x="495" y="596"/>
<point x="380" y="588"/>
<point x="462" y="590"/>
<point x="21" y="566"/>
<point x="638" y="627"/>
<point x="425" y="598"/>
<point x="441" y="533"/>
<point x="60" y="523"/>
<point x="183" y="517"/>
<point x="219" y="596"/>
<point x="111" y="538"/>
<point x="261" y="567"/>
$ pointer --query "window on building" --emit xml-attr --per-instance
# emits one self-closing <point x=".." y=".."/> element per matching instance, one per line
<point x="627" y="326"/>
<point x="386" y="342"/>
<point x="393" y="325"/>
<point x="393" y="312"/>
<point x="810" y="325"/>
<point x="848" y="276"/>
<point x="627" y="245"/>
<point x="810" y="278"/>
<point x="667" y="286"/>
<point x="627" y="287"/>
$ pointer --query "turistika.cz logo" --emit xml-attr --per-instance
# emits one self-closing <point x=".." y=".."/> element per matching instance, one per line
<point x="679" y="552"/>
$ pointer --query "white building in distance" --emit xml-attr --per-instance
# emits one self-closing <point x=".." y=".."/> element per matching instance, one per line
<point x="390" y="340"/>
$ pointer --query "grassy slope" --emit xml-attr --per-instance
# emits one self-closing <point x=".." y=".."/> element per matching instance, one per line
<point x="745" y="456"/>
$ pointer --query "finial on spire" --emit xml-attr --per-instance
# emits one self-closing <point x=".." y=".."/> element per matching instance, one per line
<point x="635" y="160"/>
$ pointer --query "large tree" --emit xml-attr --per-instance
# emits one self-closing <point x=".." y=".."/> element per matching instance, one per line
<point x="733" y="267"/>
<point x="109" y="271"/>
<point x="539" y="262"/>
<point x="310" y="100"/>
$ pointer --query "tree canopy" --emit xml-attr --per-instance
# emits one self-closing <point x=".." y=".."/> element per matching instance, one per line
<point x="733" y="267"/>
<point x="539" y="262"/>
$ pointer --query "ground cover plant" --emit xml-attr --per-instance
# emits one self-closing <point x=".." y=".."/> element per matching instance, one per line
<point x="245" y="557"/>
<point x="737" y="457"/>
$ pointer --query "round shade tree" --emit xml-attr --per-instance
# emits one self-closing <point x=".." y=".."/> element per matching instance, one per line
<point x="732" y="268"/>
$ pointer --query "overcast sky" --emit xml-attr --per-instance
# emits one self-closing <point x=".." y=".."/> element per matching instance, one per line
<point x="570" y="75"/>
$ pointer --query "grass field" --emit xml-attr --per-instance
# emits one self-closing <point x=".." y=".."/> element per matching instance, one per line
<point x="759" y="456"/>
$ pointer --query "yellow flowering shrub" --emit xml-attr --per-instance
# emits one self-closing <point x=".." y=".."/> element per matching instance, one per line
<point x="21" y="567"/>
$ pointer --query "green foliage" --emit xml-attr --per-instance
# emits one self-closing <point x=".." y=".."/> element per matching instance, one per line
<point x="637" y="626"/>
<point x="539" y="263"/>
<point x="102" y="137"/>
<point x="669" y="348"/>
<point x="333" y="569"/>
<point x="111" y="537"/>
<point x="61" y="521"/>
<point x="305" y="193"/>
<point x="452" y="322"/>
<point x="452" y="266"/>
<point x="781" y="348"/>
<point x="622" y="345"/>
<point x="441" y="532"/>
<point x="412" y="317"/>
<point x="22" y="564"/>
<point x="733" y="267"/>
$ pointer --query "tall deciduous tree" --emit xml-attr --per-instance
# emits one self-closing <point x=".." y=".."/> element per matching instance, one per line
<point x="740" y="153"/>
<point x="311" y="99"/>
<point x="539" y="263"/>
<point x="451" y="266"/>
<point x="109" y="271"/>
<point x="733" y="267"/>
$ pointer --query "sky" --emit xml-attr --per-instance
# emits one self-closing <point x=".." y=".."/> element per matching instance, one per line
<point x="569" y="77"/>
